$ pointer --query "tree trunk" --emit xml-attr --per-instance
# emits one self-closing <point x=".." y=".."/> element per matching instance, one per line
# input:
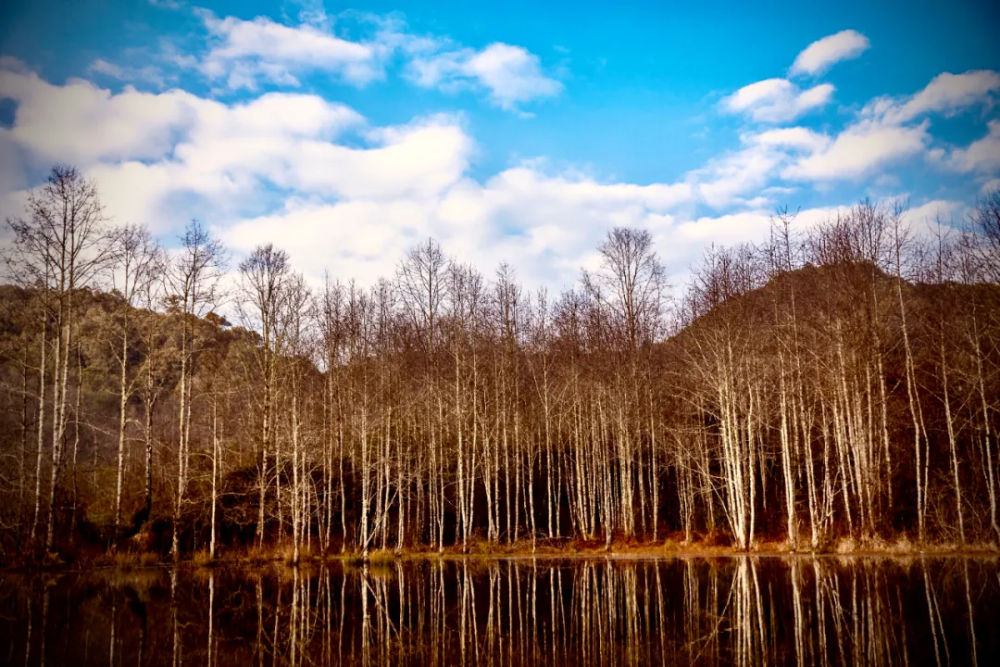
<point x="41" y="432"/>
<point x="122" y="424"/>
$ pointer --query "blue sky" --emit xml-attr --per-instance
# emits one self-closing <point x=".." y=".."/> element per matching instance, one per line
<point x="509" y="131"/>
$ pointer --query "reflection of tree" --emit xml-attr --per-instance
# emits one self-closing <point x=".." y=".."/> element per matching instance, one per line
<point x="481" y="613"/>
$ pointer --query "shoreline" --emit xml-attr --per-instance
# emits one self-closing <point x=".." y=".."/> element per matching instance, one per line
<point x="282" y="555"/>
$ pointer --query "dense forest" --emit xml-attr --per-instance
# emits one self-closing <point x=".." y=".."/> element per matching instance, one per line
<point x="835" y="386"/>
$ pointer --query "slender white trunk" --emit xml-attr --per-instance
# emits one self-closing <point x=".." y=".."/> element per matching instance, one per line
<point x="296" y="489"/>
<point x="365" y="500"/>
<point x="215" y="477"/>
<point x="41" y="433"/>
<point x="64" y="342"/>
<point x="952" y="441"/>
<point x="175" y="545"/>
<point x="122" y="424"/>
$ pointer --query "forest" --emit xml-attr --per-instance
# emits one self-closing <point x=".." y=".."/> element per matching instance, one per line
<point x="835" y="386"/>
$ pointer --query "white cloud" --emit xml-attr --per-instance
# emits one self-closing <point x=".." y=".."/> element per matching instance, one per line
<point x="946" y="94"/>
<point x="824" y="53"/>
<point x="989" y="186"/>
<point x="729" y="178"/>
<point x="683" y="240"/>
<point x="792" y="137"/>
<point x="84" y="124"/>
<point x="225" y="166"/>
<point x="932" y="220"/>
<point x="517" y="216"/>
<point x="777" y="100"/>
<point x="885" y="133"/>
<point x="354" y="239"/>
<point x="245" y="51"/>
<point x="982" y="155"/>
<point x="12" y="177"/>
<point x="100" y="66"/>
<point x="148" y="74"/>
<point x="858" y="151"/>
<point x="527" y="182"/>
<point x="511" y="74"/>
<point x="276" y="114"/>
<point x="314" y="178"/>
<point x="277" y="168"/>
<point x="724" y="180"/>
<point x="150" y="150"/>
<point x="135" y="192"/>
<point x="922" y="218"/>
<point x="243" y="54"/>
<point x="81" y="123"/>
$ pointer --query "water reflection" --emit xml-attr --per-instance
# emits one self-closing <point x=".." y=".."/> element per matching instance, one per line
<point x="743" y="611"/>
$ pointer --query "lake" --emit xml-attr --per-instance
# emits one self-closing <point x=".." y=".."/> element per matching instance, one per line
<point x="679" y="611"/>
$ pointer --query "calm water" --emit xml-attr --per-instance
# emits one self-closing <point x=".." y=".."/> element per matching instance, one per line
<point x="795" y="611"/>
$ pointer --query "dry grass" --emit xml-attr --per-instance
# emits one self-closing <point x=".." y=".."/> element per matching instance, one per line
<point x="280" y="553"/>
<point x="284" y="553"/>
<point x="382" y="556"/>
<point x="901" y="545"/>
<point x="712" y="544"/>
<point x="845" y="545"/>
<point x="149" y="559"/>
<point x="256" y="556"/>
<point x="202" y="558"/>
<point x="122" y="560"/>
<point x="774" y="547"/>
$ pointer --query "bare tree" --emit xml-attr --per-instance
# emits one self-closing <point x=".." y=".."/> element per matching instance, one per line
<point x="194" y="283"/>
<point x="423" y="288"/>
<point x="296" y="319"/>
<point x="61" y="245"/>
<point x="631" y="283"/>
<point x="263" y="276"/>
<point x="984" y="223"/>
<point x="137" y="263"/>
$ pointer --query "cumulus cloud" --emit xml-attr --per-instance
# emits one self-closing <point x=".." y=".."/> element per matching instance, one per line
<point x="353" y="239"/>
<point x="982" y="155"/>
<point x="148" y="74"/>
<point x="246" y="54"/>
<point x="824" y="53"/>
<point x="245" y="51"/>
<point x="519" y="216"/>
<point x="889" y="130"/>
<point x="724" y="180"/>
<point x="858" y="151"/>
<point x="101" y="66"/>
<point x="792" y="137"/>
<point x="237" y="173"/>
<point x="946" y="94"/>
<point x="511" y="74"/>
<point x="989" y="186"/>
<point x="516" y="216"/>
<point x="12" y="176"/>
<point x="150" y="150"/>
<point x="732" y="177"/>
<point x="777" y="100"/>
<point x="314" y="177"/>
<point x="82" y="123"/>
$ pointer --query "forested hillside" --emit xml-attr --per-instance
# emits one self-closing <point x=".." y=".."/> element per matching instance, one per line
<point x="837" y="384"/>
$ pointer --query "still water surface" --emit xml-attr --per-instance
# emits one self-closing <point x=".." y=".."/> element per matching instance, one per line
<point x="685" y="611"/>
